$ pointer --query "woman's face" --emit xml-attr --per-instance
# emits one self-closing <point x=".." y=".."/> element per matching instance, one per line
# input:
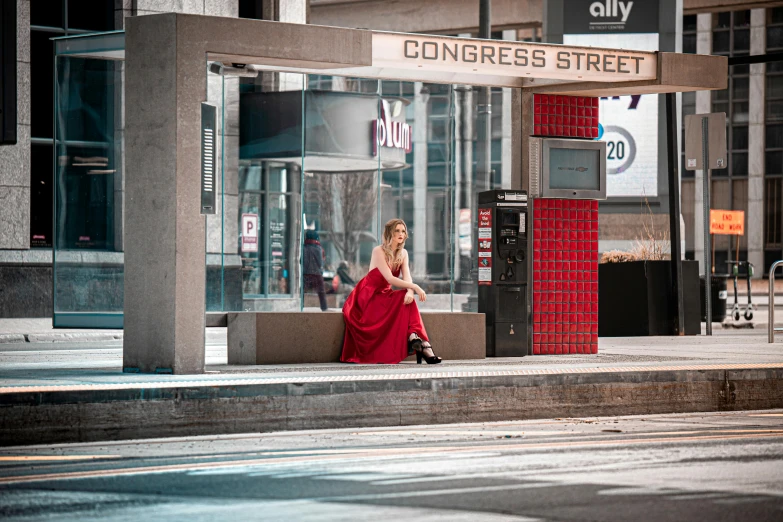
<point x="398" y="236"/>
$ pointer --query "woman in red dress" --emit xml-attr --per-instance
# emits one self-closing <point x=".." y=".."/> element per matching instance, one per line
<point x="384" y="325"/>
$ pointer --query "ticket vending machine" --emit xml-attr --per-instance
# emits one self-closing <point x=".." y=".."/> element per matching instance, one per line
<point x="538" y="253"/>
<point x="503" y="270"/>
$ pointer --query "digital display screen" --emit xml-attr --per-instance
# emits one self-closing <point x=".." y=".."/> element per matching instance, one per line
<point x="510" y="219"/>
<point x="574" y="169"/>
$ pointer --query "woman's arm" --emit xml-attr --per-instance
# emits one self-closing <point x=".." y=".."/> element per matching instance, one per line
<point x="406" y="271"/>
<point x="379" y="261"/>
<point x="406" y="275"/>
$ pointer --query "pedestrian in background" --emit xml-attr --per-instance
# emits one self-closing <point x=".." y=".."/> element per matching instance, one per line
<point x="314" y="266"/>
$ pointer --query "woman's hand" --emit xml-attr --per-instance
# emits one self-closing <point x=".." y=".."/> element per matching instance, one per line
<point x="408" y="297"/>
<point x="422" y="294"/>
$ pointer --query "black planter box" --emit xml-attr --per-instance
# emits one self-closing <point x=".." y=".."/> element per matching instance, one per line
<point x="636" y="298"/>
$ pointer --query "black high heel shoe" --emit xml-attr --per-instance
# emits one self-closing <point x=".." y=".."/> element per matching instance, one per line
<point x="414" y="345"/>
<point x="434" y="359"/>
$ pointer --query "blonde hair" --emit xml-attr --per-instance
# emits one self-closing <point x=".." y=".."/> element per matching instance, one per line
<point x="393" y="256"/>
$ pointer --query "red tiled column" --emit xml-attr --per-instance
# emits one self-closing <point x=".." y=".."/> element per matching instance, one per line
<point x="565" y="276"/>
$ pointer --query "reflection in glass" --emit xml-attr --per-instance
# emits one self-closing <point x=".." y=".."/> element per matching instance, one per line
<point x="88" y="268"/>
<point x="335" y="158"/>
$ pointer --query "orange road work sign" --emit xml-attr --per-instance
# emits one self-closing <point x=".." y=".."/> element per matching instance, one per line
<point x="730" y="222"/>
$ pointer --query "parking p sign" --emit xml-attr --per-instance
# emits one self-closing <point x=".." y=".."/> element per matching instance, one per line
<point x="249" y="232"/>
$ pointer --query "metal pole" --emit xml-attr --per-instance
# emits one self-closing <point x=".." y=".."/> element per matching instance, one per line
<point x="771" y="326"/>
<point x="484" y="110"/>
<point x="707" y="239"/>
<point x="485" y="24"/>
<point x="483" y="174"/>
<point x="674" y="212"/>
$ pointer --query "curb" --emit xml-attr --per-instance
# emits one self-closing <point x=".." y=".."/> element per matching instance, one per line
<point x="72" y="337"/>
<point x="59" y="337"/>
<point x="65" y="415"/>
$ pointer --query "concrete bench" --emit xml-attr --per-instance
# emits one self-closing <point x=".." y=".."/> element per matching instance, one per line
<point x="317" y="337"/>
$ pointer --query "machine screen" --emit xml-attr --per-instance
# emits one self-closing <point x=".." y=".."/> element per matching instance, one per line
<point x="510" y="219"/>
<point x="573" y="169"/>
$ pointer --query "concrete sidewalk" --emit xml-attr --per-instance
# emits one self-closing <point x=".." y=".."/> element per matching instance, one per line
<point x="76" y="391"/>
<point x="40" y="330"/>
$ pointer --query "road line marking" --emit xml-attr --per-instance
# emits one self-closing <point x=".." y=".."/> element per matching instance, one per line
<point x="363" y="454"/>
<point x="54" y="458"/>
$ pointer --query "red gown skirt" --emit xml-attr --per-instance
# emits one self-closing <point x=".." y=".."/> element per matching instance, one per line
<point x="378" y="322"/>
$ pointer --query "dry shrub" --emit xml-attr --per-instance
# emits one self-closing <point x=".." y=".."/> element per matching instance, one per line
<point x="618" y="256"/>
<point x="654" y="245"/>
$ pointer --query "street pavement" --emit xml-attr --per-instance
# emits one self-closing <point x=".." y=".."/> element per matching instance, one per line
<point x="69" y="391"/>
<point x="717" y="467"/>
<point x="96" y="363"/>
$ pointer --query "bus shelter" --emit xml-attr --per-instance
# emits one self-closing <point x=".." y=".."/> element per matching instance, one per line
<point x="173" y="63"/>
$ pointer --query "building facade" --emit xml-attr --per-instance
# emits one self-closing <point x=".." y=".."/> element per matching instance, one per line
<point x="432" y="189"/>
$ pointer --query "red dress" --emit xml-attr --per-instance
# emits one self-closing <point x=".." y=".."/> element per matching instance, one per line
<point x="378" y="322"/>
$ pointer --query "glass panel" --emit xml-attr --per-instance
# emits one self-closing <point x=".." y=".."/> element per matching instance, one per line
<point x="721" y="95"/>
<point x="252" y="204"/>
<point x="775" y="86"/>
<point x="774" y="67"/>
<point x="774" y="136"/>
<point x="93" y="15"/>
<point x="739" y="138"/>
<point x="343" y="188"/>
<point x="740" y="114"/>
<point x="740" y="202"/>
<point x="689" y="43"/>
<point x="41" y="195"/>
<point x="220" y="283"/>
<point x="775" y="109"/>
<point x="742" y="41"/>
<point x="720" y="107"/>
<point x="261" y="210"/>
<point x="720" y="42"/>
<point x="739" y="164"/>
<point x="722" y="20"/>
<point x="51" y="16"/>
<point x="739" y="69"/>
<point x="280" y="234"/>
<point x="720" y="200"/>
<point x="773" y="215"/>
<point x="689" y="103"/>
<point x="742" y="18"/>
<point x="689" y="23"/>
<point x="740" y="86"/>
<point x="41" y="83"/>
<point x="774" y="38"/>
<point x="88" y="267"/>
<point x="773" y="162"/>
<point x="775" y="15"/>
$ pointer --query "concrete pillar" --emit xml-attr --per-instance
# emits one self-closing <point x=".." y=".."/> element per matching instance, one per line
<point x="15" y="159"/>
<point x="703" y="105"/>
<point x="420" y="171"/>
<point x="756" y="143"/>
<point x="164" y="231"/>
